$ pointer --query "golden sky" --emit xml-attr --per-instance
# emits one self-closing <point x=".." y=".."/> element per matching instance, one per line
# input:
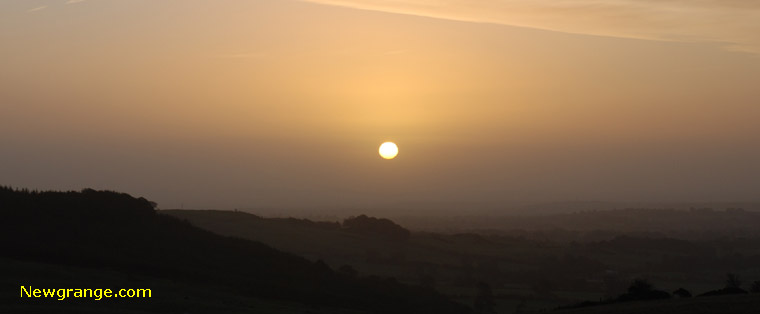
<point x="277" y="103"/>
<point x="733" y="24"/>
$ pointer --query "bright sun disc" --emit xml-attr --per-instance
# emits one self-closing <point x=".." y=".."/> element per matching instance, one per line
<point x="388" y="150"/>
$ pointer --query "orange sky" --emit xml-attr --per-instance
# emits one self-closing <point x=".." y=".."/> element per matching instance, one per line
<point x="283" y="103"/>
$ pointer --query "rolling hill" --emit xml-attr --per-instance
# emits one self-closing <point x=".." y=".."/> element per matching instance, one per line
<point x="100" y="234"/>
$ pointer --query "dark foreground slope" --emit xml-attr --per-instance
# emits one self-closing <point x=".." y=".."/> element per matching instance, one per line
<point x="96" y="235"/>
<point x="728" y="304"/>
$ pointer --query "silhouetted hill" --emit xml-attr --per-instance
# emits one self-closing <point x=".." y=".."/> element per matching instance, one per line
<point x="380" y="227"/>
<point x="109" y="230"/>
<point x="549" y="274"/>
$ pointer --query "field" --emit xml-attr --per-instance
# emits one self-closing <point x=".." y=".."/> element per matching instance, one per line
<point x="525" y="275"/>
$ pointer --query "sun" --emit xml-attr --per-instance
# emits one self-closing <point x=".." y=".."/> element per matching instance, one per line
<point x="388" y="150"/>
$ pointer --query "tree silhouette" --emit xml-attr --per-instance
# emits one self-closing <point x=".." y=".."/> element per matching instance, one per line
<point x="733" y="286"/>
<point x="640" y="286"/>
<point x="641" y="289"/>
<point x="682" y="293"/>
<point x="733" y="281"/>
<point x="755" y="287"/>
<point x="380" y="227"/>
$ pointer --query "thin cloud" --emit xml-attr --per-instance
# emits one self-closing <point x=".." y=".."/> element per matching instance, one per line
<point x="734" y="24"/>
<point x="74" y="1"/>
<point x="39" y="8"/>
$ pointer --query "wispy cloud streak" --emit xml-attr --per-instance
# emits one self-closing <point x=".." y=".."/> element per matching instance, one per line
<point x="39" y="8"/>
<point x="734" y="24"/>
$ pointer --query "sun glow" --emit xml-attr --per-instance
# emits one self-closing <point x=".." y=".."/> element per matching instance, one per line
<point x="388" y="150"/>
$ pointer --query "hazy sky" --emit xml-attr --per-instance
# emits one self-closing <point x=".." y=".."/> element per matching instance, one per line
<point x="275" y="103"/>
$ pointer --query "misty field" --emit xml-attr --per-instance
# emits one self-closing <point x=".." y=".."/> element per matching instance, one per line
<point x="526" y="273"/>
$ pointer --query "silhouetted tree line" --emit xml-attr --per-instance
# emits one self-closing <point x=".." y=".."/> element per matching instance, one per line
<point x="363" y="224"/>
<point x="309" y="223"/>
<point x="642" y="289"/>
<point x="380" y="227"/>
<point x="755" y="287"/>
<point x="733" y="286"/>
<point x="110" y="230"/>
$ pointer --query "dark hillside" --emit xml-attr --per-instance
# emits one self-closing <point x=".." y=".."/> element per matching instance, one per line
<point x="109" y="230"/>
<point x="730" y="304"/>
